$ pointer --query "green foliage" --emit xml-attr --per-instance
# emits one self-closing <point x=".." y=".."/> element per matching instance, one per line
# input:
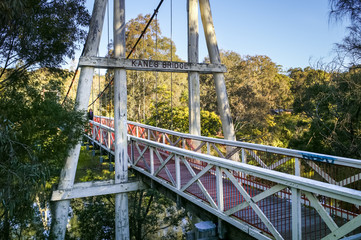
<point x="149" y="214"/>
<point x="93" y="218"/>
<point x="36" y="132"/>
<point x="211" y="124"/>
<point x="282" y="129"/>
<point x="332" y="103"/>
<point x="351" y="10"/>
<point x="37" y="33"/>
<point x="178" y="119"/>
<point x="302" y="83"/>
<point x="255" y="87"/>
<point x="147" y="87"/>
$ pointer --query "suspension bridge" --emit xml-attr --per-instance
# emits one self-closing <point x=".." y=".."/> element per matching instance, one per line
<point x="266" y="192"/>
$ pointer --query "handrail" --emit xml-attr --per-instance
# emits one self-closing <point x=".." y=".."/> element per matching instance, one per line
<point x="343" y="161"/>
<point x="284" y="151"/>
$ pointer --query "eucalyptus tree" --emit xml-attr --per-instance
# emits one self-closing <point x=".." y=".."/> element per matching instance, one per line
<point x="351" y="11"/>
<point x="147" y="89"/>
<point x="331" y="102"/>
<point x="255" y="87"/>
<point x="38" y="33"/>
<point x="35" y="130"/>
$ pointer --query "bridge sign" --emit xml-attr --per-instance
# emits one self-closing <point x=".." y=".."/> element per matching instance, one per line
<point x="151" y="65"/>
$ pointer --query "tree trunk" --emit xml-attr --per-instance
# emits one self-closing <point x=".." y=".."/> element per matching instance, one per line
<point x="6" y="226"/>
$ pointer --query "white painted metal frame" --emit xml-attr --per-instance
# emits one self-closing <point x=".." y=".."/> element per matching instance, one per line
<point x="297" y="184"/>
<point x="163" y="153"/>
<point x="287" y="156"/>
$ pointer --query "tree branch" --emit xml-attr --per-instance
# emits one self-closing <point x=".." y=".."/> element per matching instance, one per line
<point x="7" y="58"/>
<point x="148" y="206"/>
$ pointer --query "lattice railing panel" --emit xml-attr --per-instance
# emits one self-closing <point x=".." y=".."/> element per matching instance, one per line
<point x="276" y="198"/>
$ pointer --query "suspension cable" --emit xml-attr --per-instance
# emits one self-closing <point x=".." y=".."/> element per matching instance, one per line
<point x="100" y="100"/>
<point x="145" y="29"/>
<point x="156" y="74"/>
<point x="71" y="84"/>
<point x="108" y="23"/>
<point x="150" y="20"/>
<point x="144" y="83"/>
<point x="171" y="59"/>
<point x="72" y="81"/>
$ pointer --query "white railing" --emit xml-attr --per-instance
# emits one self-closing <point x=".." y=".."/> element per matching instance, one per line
<point x="332" y="169"/>
<point x="263" y="202"/>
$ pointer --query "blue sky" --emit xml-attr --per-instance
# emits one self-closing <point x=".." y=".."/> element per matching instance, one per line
<point x="292" y="33"/>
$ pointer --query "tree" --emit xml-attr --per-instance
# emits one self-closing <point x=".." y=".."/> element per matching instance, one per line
<point x="36" y="132"/>
<point x="255" y="87"/>
<point x="162" y="117"/>
<point x="147" y="87"/>
<point x="302" y="80"/>
<point x="352" y="10"/>
<point x="332" y="104"/>
<point x="38" y="33"/>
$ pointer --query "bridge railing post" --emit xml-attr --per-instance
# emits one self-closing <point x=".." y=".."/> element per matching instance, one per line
<point x="132" y="151"/>
<point x="297" y="167"/>
<point x="244" y="156"/>
<point x="93" y="132"/>
<point x="177" y="172"/>
<point x="151" y="153"/>
<point x="296" y="214"/>
<point x="244" y="160"/>
<point x="219" y="184"/>
<point x="296" y="206"/>
<point x="101" y="132"/>
<point x="109" y="141"/>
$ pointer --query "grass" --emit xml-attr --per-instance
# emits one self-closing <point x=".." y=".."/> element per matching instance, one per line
<point x="90" y="167"/>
